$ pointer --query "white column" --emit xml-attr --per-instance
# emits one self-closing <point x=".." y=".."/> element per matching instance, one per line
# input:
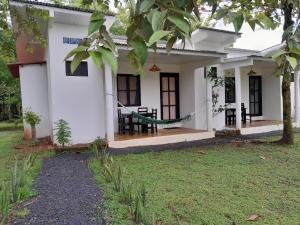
<point x="297" y="97"/>
<point x="109" y="106"/>
<point x="209" y="102"/>
<point x="238" y="97"/>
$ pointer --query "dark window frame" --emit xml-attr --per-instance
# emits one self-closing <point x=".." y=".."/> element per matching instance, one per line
<point x="128" y="90"/>
<point x="230" y="97"/>
<point x="256" y="101"/>
<point x="76" y="73"/>
<point x="176" y="91"/>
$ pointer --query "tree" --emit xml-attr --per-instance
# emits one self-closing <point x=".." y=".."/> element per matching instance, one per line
<point x="9" y="87"/>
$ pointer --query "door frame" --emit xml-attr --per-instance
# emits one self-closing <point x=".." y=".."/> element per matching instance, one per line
<point x="176" y="76"/>
<point x="260" y="95"/>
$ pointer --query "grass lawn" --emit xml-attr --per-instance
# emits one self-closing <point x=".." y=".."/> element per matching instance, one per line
<point x="220" y="185"/>
<point x="8" y="154"/>
<point x="10" y="125"/>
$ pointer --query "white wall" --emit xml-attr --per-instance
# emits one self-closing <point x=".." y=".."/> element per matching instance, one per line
<point x="34" y="91"/>
<point x="78" y="100"/>
<point x="187" y="94"/>
<point x="219" y="118"/>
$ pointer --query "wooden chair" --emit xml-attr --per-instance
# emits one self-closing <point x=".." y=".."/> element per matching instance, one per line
<point x="245" y="114"/>
<point x="139" y="122"/>
<point x="123" y="126"/>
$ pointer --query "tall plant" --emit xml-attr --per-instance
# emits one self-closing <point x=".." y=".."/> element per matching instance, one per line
<point x="63" y="132"/>
<point x="32" y="119"/>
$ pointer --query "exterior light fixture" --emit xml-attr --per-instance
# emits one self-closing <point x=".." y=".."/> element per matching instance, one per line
<point x="154" y="68"/>
<point x="252" y="72"/>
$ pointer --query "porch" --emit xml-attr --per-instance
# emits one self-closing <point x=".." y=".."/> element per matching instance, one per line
<point x="162" y="136"/>
<point x="258" y="126"/>
<point x="177" y="89"/>
<point x="254" y="101"/>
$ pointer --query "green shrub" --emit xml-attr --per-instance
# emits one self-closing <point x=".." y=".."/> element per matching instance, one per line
<point x="117" y="180"/>
<point x="63" y="132"/>
<point x="126" y="193"/>
<point x="15" y="183"/>
<point x="4" y="203"/>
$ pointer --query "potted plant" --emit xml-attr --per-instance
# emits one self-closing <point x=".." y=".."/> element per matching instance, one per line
<point x="32" y="119"/>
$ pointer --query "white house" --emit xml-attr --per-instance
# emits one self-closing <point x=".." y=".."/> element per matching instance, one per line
<point x="87" y="100"/>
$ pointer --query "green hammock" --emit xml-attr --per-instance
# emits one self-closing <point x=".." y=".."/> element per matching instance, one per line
<point x="156" y="121"/>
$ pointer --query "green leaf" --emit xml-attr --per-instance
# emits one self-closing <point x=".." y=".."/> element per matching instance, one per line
<point x="97" y="20"/>
<point x="238" y="22"/>
<point x="97" y="58"/>
<point x="96" y="16"/>
<point x="183" y="13"/>
<point x="277" y="54"/>
<point x="109" y="58"/>
<point x="145" y="30"/>
<point x="140" y="49"/>
<point x="295" y="51"/>
<point x="252" y="24"/>
<point x="146" y="5"/>
<point x="292" y="61"/>
<point x="158" y="18"/>
<point x="157" y="36"/>
<point x="181" y="24"/>
<point x="77" y="59"/>
<point x="76" y="50"/>
<point x="170" y="43"/>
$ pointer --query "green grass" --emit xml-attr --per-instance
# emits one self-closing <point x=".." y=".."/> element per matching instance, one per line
<point x="8" y="155"/>
<point x="224" y="186"/>
<point x="10" y="125"/>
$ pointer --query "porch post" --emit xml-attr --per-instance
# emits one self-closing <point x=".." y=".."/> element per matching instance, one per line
<point x="209" y="102"/>
<point x="109" y="106"/>
<point x="297" y="97"/>
<point x="238" y="97"/>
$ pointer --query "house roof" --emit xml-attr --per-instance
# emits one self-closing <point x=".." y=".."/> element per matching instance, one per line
<point x="220" y="30"/>
<point x="182" y="50"/>
<point x="59" y="6"/>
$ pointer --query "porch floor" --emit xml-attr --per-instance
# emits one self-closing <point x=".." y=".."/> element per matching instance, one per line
<point x="163" y="136"/>
<point x="259" y="126"/>
<point x="160" y="132"/>
<point x="258" y="123"/>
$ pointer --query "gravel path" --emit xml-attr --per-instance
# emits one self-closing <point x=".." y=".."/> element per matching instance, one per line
<point x="67" y="193"/>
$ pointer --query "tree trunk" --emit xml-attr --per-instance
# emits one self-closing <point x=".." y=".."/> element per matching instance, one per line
<point x="288" y="134"/>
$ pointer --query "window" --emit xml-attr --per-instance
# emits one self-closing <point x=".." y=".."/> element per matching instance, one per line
<point x="229" y="90"/>
<point x="81" y="71"/>
<point x="129" y="91"/>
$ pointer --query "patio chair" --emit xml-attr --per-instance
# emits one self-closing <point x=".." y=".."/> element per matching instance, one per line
<point x="123" y="125"/>
<point x="245" y="114"/>
<point x="138" y="122"/>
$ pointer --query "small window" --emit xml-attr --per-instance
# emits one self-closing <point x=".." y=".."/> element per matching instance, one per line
<point x="129" y="91"/>
<point x="81" y="71"/>
<point x="229" y="90"/>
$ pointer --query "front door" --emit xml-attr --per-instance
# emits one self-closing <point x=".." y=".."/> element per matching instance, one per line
<point x="255" y="95"/>
<point x="169" y="96"/>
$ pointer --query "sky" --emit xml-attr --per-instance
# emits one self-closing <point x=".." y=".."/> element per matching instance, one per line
<point x="258" y="40"/>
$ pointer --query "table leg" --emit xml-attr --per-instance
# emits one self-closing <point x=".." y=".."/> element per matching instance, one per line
<point x="131" y="126"/>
